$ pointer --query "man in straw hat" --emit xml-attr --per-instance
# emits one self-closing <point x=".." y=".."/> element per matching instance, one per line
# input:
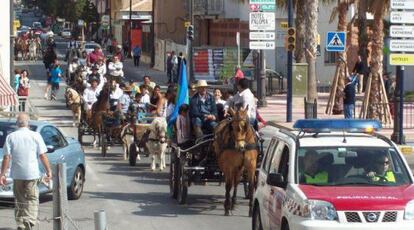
<point x="203" y="110"/>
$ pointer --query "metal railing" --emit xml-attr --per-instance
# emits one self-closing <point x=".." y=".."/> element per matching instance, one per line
<point x="24" y="105"/>
<point x="275" y="82"/>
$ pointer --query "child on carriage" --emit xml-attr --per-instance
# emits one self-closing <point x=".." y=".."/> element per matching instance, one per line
<point x="90" y="95"/>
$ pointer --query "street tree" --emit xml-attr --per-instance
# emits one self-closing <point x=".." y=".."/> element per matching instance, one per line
<point x="311" y="31"/>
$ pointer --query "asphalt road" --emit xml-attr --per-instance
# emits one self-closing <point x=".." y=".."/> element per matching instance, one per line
<point x="132" y="197"/>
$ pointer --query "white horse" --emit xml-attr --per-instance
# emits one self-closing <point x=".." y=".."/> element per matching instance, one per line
<point x="73" y="100"/>
<point x="33" y="50"/>
<point x="157" y="142"/>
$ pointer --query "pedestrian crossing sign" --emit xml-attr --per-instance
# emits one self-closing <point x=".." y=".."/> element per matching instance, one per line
<point x="336" y="41"/>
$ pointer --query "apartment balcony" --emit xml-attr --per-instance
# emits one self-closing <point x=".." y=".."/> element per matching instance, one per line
<point x="208" y="7"/>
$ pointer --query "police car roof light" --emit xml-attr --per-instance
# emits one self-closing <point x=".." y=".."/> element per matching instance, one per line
<point x="327" y="125"/>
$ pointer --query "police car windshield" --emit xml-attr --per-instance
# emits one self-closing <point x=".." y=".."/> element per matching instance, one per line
<point x="345" y="166"/>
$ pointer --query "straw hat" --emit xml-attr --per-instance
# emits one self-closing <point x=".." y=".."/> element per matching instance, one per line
<point x="201" y="83"/>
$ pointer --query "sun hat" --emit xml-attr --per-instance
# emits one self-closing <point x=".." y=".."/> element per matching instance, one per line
<point x="201" y="83"/>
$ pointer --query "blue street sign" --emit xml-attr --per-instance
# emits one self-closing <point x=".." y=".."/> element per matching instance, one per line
<point x="336" y="41"/>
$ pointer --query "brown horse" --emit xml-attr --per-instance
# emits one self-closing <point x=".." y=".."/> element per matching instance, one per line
<point x="95" y="117"/>
<point x="74" y="101"/>
<point x="236" y="150"/>
<point x="22" y="46"/>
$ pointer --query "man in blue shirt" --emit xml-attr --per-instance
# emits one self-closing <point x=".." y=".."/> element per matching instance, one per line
<point x="55" y="76"/>
<point x="349" y="98"/>
<point x="203" y="110"/>
<point x="136" y="52"/>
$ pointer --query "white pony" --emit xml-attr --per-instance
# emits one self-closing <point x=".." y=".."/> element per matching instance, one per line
<point x="157" y="142"/>
<point x="33" y="50"/>
<point x="127" y="138"/>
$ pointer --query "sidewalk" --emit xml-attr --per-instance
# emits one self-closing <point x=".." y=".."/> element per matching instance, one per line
<point x="276" y="112"/>
<point x="138" y="73"/>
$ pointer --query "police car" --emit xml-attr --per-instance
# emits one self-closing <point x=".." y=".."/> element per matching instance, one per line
<point x="333" y="174"/>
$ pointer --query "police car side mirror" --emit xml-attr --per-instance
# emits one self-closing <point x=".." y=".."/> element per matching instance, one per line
<point x="276" y="179"/>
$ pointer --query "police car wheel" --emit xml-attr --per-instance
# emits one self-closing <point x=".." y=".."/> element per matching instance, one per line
<point x="256" y="220"/>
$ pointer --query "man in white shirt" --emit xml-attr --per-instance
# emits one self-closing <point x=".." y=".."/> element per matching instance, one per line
<point x="115" y="68"/>
<point x="90" y="94"/>
<point x="25" y="148"/>
<point x="246" y="98"/>
<point x="115" y="94"/>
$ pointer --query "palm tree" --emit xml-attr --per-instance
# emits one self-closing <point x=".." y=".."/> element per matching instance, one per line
<point x="300" y="31"/>
<point x="311" y="31"/>
<point x="340" y="11"/>
<point x="376" y="110"/>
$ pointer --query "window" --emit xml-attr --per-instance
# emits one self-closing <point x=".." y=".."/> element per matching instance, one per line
<point x="275" y="163"/>
<point x="6" y="129"/>
<point x="53" y="137"/>
<point x="368" y="166"/>
<point x="269" y="155"/>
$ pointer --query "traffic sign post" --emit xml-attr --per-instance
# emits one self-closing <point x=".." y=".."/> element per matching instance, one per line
<point x="336" y="41"/>
<point x="402" y="41"/>
<point x="265" y="45"/>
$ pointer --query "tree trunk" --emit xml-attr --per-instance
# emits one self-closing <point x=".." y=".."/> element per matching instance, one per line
<point x="338" y="107"/>
<point x="300" y="31"/>
<point x="311" y="31"/>
<point x="375" y="110"/>
<point x="363" y="35"/>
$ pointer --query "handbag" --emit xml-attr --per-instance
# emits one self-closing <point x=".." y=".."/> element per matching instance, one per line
<point x="22" y="91"/>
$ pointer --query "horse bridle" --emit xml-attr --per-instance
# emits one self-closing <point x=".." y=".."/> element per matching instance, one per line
<point x="159" y="138"/>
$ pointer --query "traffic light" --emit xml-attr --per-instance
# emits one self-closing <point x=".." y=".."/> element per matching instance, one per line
<point x="291" y="39"/>
<point x="190" y="32"/>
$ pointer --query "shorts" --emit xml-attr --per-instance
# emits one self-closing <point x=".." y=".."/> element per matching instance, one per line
<point x="55" y="86"/>
<point x="49" y="80"/>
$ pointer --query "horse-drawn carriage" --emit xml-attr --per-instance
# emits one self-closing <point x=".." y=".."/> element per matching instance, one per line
<point x="216" y="158"/>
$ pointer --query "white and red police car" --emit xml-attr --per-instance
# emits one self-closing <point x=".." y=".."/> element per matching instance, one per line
<point x="333" y="174"/>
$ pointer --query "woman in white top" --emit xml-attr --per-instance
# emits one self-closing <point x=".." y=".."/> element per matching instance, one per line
<point x="220" y="103"/>
<point x="115" y="68"/>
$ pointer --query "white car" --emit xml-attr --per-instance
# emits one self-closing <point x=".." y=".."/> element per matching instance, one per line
<point x="333" y="174"/>
<point x="90" y="46"/>
<point x="66" y="33"/>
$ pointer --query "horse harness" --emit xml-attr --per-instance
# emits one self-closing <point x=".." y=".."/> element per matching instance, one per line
<point x="231" y="143"/>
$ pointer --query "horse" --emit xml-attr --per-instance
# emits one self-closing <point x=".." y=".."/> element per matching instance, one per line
<point x="127" y="137"/>
<point x="22" y="47"/>
<point x="157" y="141"/>
<point x="95" y="117"/>
<point x="33" y="50"/>
<point x="73" y="100"/>
<point x="236" y="150"/>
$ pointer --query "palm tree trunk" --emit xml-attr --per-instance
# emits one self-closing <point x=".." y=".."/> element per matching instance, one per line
<point x="362" y="29"/>
<point x="300" y="31"/>
<point x="311" y="31"/>
<point x="375" y="110"/>
<point x="343" y="71"/>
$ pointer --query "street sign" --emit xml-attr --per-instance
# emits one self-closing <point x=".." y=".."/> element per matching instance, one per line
<point x="402" y="17"/>
<point x="262" y="2"/>
<point x="402" y="4"/>
<point x="262" y="21"/>
<point x="80" y="22"/>
<point x="267" y="36"/>
<point x="402" y="31"/>
<point x="402" y="45"/>
<point x="402" y="59"/>
<point x="262" y="45"/>
<point x="335" y="41"/>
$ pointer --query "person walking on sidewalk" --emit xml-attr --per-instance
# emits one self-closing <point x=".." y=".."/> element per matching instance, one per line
<point x="172" y="62"/>
<point x="349" y="99"/>
<point x="136" y="52"/>
<point x="55" y="76"/>
<point x="23" y="90"/>
<point x="25" y="147"/>
<point x="360" y="71"/>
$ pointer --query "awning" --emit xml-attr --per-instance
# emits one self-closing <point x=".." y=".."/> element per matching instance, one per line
<point x="7" y="94"/>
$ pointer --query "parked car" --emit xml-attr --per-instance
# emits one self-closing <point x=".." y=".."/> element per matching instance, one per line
<point x="61" y="149"/>
<point x="66" y="33"/>
<point x="90" y="46"/>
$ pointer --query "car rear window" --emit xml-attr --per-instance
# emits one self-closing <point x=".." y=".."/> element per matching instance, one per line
<point x="6" y="129"/>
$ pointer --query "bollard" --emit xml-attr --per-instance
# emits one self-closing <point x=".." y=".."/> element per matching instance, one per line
<point x="100" y="220"/>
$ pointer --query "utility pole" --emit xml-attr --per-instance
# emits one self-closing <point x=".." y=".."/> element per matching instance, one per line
<point x="190" y="44"/>
<point x="289" y="68"/>
<point x="398" y="134"/>
<point x="261" y="81"/>
<point x="130" y="27"/>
